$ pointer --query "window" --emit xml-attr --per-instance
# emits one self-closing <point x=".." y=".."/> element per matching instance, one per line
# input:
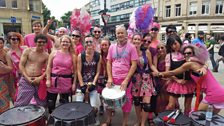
<point x="193" y="8"/>
<point x="14" y="3"/>
<point x="35" y="6"/>
<point x="2" y="3"/>
<point x="219" y="7"/>
<point x="205" y="8"/>
<point x="178" y="9"/>
<point x="168" y="9"/>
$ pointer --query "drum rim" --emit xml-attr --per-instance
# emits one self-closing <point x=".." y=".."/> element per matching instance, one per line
<point x="31" y="121"/>
<point x="114" y="98"/>
<point x="71" y="119"/>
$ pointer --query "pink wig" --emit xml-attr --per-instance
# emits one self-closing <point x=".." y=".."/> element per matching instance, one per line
<point x="200" y="52"/>
<point x="63" y="29"/>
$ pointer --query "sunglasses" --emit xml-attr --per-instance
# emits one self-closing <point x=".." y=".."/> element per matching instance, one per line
<point x="41" y="42"/>
<point x="97" y="31"/>
<point x="188" y="53"/>
<point x="77" y="36"/>
<point x="170" y="31"/>
<point x="15" y="39"/>
<point x="154" y="29"/>
<point x="160" y="48"/>
<point x="146" y="41"/>
<point x="88" y="42"/>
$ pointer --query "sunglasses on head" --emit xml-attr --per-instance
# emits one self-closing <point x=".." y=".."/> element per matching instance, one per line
<point x="15" y="39"/>
<point x="154" y="29"/>
<point x="96" y="31"/>
<point x="77" y="36"/>
<point x="188" y="53"/>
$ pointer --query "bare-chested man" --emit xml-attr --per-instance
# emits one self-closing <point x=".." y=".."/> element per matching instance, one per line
<point x="56" y="39"/>
<point x="32" y="62"/>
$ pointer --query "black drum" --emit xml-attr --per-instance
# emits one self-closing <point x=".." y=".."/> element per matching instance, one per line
<point x="73" y="114"/>
<point x="198" y="118"/>
<point x="181" y="120"/>
<point x="30" y="115"/>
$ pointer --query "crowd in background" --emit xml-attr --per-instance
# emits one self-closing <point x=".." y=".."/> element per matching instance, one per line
<point x="38" y="67"/>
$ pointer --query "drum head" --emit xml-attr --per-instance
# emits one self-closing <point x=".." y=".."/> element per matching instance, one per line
<point x="217" y="120"/>
<point x="21" y="115"/>
<point x="113" y="93"/>
<point x="72" y="111"/>
<point x="180" y="120"/>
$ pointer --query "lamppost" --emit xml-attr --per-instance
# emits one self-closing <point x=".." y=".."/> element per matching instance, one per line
<point x="105" y="17"/>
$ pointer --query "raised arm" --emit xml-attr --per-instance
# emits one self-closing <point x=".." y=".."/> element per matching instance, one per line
<point x="46" y="28"/>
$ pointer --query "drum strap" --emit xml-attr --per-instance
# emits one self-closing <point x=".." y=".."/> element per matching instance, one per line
<point x="198" y="92"/>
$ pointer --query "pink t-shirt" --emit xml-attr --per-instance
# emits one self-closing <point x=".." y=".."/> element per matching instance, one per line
<point x="121" y="58"/>
<point x="29" y="41"/>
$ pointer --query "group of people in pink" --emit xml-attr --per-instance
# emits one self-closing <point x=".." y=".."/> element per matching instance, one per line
<point x="153" y="73"/>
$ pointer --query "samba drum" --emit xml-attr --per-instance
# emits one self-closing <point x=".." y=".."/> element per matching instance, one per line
<point x="73" y="114"/>
<point x="181" y="120"/>
<point x="114" y="97"/>
<point x="30" y="115"/>
<point x="198" y="118"/>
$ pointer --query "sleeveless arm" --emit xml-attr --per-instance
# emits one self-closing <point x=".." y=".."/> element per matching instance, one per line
<point x="149" y="56"/>
<point x="23" y="61"/>
<point x="97" y="70"/>
<point x="79" y="70"/>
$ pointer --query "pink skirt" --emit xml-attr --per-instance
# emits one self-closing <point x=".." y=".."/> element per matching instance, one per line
<point x="176" y="88"/>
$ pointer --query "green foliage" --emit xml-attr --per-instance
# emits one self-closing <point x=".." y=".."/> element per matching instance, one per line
<point x="66" y="19"/>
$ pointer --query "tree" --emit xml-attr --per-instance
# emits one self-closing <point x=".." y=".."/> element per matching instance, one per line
<point x="46" y="13"/>
<point x="66" y="18"/>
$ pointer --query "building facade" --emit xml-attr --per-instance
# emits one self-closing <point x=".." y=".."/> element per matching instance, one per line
<point x="119" y="11"/>
<point x="18" y="15"/>
<point x="194" y="15"/>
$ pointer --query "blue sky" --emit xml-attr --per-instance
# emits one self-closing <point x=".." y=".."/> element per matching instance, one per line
<point x="59" y="7"/>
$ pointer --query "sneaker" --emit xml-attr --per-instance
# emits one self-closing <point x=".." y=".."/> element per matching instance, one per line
<point x="101" y="110"/>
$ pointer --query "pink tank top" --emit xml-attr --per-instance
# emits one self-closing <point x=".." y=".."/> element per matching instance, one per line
<point x="62" y="65"/>
<point x="213" y="90"/>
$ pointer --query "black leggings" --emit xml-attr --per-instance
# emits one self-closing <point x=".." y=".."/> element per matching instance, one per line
<point x="52" y="98"/>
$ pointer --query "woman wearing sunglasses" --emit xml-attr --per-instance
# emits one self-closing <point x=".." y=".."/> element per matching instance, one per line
<point x="182" y="83"/>
<point x="159" y="62"/>
<point x="15" y="52"/>
<point x="155" y="41"/>
<point x="214" y="92"/>
<point x="143" y="87"/>
<point x="77" y="41"/>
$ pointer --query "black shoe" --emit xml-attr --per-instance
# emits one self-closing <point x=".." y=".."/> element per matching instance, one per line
<point x="214" y="70"/>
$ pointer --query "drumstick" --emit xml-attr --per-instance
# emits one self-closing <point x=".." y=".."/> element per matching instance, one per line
<point x="166" y="118"/>
<point x="173" y="119"/>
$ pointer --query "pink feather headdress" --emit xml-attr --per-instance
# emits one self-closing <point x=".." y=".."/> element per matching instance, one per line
<point x="80" y="20"/>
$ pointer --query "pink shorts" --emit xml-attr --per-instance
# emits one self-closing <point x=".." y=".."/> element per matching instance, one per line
<point x="128" y="104"/>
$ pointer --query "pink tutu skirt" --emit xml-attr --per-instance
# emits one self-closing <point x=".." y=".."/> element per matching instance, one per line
<point x="176" y="88"/>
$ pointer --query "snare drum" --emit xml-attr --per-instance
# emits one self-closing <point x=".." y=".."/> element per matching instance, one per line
<point x="114" y="97"/>
<point x="217" y="120"/>
<point x="73" y="114"/>
<point x="30" y="115"/>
